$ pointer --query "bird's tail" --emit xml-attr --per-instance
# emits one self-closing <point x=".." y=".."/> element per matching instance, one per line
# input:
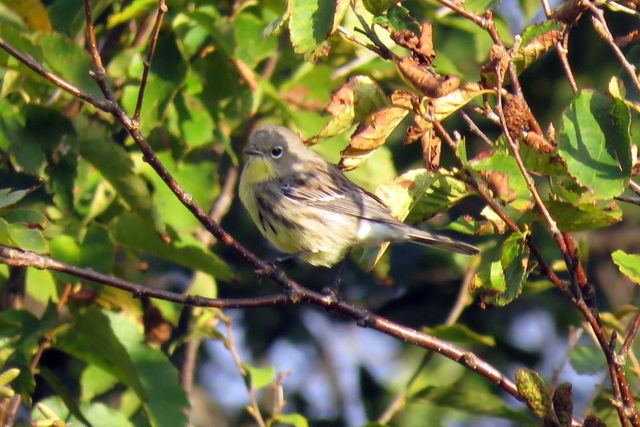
<point x="440" y="242"/>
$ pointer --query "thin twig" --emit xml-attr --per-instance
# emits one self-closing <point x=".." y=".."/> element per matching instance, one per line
<point x="601" y="27"/>
<point x="475" y="129"/>
<point x="74" y="90"/>
<point x="631" y="334"/>
<point x="628" y="199"/>
<point x="461" y="302"/>
<point x="99" y="74"/>
<point x="230" y="344"/>
<point x="562" y="47"/>
<point x="162" y="9"/>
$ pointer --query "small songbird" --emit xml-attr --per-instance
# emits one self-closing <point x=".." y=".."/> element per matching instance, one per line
<point x="308" y="207"/>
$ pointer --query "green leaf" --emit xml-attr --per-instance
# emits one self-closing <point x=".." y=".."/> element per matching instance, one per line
<point x="310" y="24"/>
<point x="29" y="239"/>
<point x="582" y="217"/>
<point x="95" y="381"/>
<point x="533" y="389"/>
<point x="114" y="164"/>
<point x="203" y="285"/>
<point x="10" y="196"/>
<point x="69" y="60"/>
<point x="296" y="420"/>
<point x="587" y="360"/>
<point x="406" y="192"/>
<point x="516" y="191"/>
<point x="135" y="233"/>
<point x="167" y="400"/>
<point x="93" y="338"/>
<point x="167" y="75"/>
<point x="400" y="19"/>
<point x="135" y="9"/>
<point x="470" y="400"/>
<point x="461" y="334"/>
<point x="251" y="46"/>
<point x="595" y="143"/>
<point x="197" y="178"/>
<point x="260" y="377"/>
<point x="629" y="264"/>
<point x="20" y="333"/>
<point x="61" y="390"/>
<point x="377" y="7"/>
<point x="503" y="270"/>
<point x="194" y="121"/>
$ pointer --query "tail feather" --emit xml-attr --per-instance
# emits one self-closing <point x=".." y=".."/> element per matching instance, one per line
<point x="441" y="242"/>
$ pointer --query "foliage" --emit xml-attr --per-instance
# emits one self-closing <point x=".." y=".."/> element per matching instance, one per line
<point x="512" y="134"/>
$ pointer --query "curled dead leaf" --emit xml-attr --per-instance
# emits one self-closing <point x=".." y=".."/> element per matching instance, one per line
<point x="539" y="143"/>
<point x="517" y="115"/>
<point x="444" y="106"/>
<point x="371" y="134"/>
<point x="374" y="131"/>
<point x="421" y="47"/>
<point x="423" y="79"/>
<point x="431" y="147"/>
<point x="352" y="102"/>
<point x="569" y="12"/>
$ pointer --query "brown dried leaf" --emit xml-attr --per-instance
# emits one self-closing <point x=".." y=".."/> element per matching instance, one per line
<point x="569" y="12"/>
<point x="353" y="101"/>
<point x="423" y="79"/>
<point x="157" y="329"/>
<point x="371" y="134"/>
<point x="421" y="47"/>
<point x="425" y="47"/>
<point x="374" y="131"/>
<point x="499" y="184"/>
<point x="417" y="129"/>
<point x="444" y="106"/>
<point x="402" y="98"/>
<point x="516" y="114"/>
<point x="539" y="143"/>
<point x="431" y="147"/>
<point x="405" y="38"/>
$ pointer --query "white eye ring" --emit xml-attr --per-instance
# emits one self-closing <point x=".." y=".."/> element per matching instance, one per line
<point x="276" y="152"/>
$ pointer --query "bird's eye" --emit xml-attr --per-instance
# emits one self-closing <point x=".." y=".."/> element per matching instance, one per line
<point x="276" y="152"/>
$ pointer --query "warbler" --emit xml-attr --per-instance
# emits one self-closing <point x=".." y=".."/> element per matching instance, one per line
<point x="306" y="206"/>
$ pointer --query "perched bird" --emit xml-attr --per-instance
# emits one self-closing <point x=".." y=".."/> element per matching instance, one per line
<point x="308" y="207"/>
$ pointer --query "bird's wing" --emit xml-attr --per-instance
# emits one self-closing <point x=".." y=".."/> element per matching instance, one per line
<point x="329" y="189"/>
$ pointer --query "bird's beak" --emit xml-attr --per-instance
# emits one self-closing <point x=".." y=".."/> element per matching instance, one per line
<point x="252" y="151"/>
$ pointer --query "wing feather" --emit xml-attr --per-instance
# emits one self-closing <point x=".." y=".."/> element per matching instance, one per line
<point x="330" y="190"/>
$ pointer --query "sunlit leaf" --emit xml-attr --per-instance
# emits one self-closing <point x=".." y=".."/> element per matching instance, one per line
<point x="33" y="12"/>
<point x="295" y="420"/>
<point x="629" y="264"/>
<point x="595" y="143"/>
<point x="133" y="232"/>
<point x="461" y="334"/>
<point x="133" y="10"/>
<point x="371" y="134"/>
<point x="310" y="24"/>
<point x="260" y="377"/>
<point x="537" y="39"/>
<point x="582" y="217"/>
<point x="352" y="102"/>
<point x="533" y="389"/>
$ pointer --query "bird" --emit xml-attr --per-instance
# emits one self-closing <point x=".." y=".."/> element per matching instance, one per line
<point x="308" y="208"/>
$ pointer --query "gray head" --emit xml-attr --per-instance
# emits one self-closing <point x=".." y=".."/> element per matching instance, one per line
<point x="278" y="145"/>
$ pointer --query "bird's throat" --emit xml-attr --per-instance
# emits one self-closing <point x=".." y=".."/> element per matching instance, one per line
<point x="259" y="169"/>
